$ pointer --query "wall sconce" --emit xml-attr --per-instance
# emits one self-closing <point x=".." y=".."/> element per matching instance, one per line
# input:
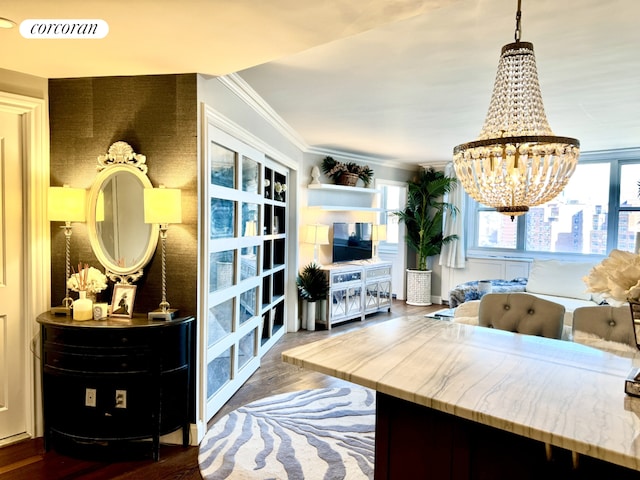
<point x="316" y="235"/>
<point x="378" y="234"/>
<point x="66" y="204"/>
<point x="163" y="206"/>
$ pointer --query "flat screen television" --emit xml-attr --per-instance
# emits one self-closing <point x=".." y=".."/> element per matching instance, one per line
<point x="352" y="241"/>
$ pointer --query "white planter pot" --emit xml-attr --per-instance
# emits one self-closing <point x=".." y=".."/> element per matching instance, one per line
<point x="419" y="287"/>
<point x="321" y="310"/>
<point x="311" y="316"/>
<point x="303" y="315"/>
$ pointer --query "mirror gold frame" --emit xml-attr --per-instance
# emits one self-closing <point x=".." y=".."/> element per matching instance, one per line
<point x="120" y="162"/>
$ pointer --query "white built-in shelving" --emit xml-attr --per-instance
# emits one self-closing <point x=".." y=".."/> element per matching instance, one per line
<point x="341" y="198"/>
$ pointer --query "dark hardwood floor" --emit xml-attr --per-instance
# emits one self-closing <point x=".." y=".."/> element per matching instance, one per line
<point x="28" y="461"/>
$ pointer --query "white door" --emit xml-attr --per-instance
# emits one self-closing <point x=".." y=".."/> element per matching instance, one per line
<point x="12" y="368"/>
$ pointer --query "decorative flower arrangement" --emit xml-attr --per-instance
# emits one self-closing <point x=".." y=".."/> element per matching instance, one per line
<point x="88" y="279"/>
<point x="279" y="189"/>
<point x="337" y="170"/>
<point x="616" y="278"/>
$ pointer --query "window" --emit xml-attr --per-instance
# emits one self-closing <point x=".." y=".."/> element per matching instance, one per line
<point x="598" y="210"/>
<point x="391" y="196"/>
<point x="629" y="210"/>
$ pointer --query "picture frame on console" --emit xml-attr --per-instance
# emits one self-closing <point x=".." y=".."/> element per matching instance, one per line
<point x="122" y="301"/>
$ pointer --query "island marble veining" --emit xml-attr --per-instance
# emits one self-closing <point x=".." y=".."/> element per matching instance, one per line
<point x="553" y="391"/>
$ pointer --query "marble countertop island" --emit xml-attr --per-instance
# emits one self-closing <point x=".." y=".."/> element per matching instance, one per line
<point x="552" y="391"/>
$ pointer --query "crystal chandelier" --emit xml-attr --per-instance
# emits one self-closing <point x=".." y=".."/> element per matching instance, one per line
<point x="516" y="162"/>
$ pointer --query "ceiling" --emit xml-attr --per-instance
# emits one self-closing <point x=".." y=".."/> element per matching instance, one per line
<point x="402" y="80"/>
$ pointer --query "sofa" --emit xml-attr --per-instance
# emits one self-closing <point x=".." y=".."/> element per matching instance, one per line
<point x="554" y="280"/>
<point x="562" y="282"/>
<point x="597" y="324"/>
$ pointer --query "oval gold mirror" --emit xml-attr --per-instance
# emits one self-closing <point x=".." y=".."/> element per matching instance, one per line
<point x="120" y="239"/>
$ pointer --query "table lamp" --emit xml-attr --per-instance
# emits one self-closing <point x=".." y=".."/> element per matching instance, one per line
<point x="378" y="234"/>
<point x="316" y="235"/>
<point x="66" y="204"/>
<point x="163" y="206"/>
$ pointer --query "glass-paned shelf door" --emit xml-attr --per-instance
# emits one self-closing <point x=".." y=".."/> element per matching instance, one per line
<point x="222" y="162"/>
<point x="275" y="227"/>
<point x="232" y="229"/>
<point x="245" y="224"/>
<point x="250" y="175"/>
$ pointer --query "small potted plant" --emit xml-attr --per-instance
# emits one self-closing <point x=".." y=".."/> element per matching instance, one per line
<point x="346" y="173"/>
<point x="313" y="286"/>
<point x="88" y="279"/>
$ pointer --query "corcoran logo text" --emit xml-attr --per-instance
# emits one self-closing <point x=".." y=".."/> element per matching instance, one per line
<point x="64" y="28"/>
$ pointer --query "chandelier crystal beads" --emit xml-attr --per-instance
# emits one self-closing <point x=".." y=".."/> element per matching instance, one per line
<point x="516" y="162"/>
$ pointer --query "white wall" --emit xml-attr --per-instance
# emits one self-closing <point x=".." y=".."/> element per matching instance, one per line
<point x="487" y="268"/>
<point x="310" y="200"/>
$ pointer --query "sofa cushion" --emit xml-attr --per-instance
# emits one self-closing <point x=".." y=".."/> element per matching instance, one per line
<point x="559" y="279"/>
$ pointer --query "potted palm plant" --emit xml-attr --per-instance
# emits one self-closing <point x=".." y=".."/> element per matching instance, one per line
<point x="423" y="216"/>
<point x="313" y="287"/>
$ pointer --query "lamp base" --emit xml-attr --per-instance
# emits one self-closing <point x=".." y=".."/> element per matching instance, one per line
<point x="60" y="310"/>
<point x="158" y="314"/>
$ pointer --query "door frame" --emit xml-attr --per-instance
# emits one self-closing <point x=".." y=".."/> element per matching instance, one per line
<point x="36" y="242"/>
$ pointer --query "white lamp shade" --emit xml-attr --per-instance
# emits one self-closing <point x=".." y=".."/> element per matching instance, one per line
<point x="66" y="204"/>
<point x="316" y="234"/>
<point x="162" y="205"/>
<point x="379" y="233"/>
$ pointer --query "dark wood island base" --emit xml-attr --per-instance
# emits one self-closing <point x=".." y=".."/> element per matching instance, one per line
<point x="413" y="441"/>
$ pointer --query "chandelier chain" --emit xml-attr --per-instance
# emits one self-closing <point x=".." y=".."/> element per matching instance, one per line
<point x="518" y="26"/>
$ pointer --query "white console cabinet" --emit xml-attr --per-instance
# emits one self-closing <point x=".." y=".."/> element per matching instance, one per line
<point x="356" y="289"/>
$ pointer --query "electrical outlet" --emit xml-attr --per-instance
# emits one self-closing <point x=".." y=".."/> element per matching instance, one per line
<point x="121" y="399"/>
<point x="90" y="397"/>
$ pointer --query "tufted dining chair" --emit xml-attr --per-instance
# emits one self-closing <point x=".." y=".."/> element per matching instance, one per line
<point x="605" y="322"/>
<point x="527" y="314"/>
<point x="521" y="313"/>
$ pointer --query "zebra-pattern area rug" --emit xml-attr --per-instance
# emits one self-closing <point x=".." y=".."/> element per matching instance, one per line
<point x="310" y="434"/>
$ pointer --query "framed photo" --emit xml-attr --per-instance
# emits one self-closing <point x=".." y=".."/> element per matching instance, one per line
<point x="122" y="302"/>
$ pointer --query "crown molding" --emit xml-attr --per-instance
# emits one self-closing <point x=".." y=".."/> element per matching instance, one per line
<point x="362" y="158"/>
<point x="253" y="100"/>
<point x="249" y="96"/>
<point x="213" y="117"/>
<point x="436" y="164"/>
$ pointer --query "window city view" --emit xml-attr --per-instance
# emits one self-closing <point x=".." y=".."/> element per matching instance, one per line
<point x="574" y="222"/>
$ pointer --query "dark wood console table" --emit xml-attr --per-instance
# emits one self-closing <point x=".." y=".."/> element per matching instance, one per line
<point x="115" y="380"/>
